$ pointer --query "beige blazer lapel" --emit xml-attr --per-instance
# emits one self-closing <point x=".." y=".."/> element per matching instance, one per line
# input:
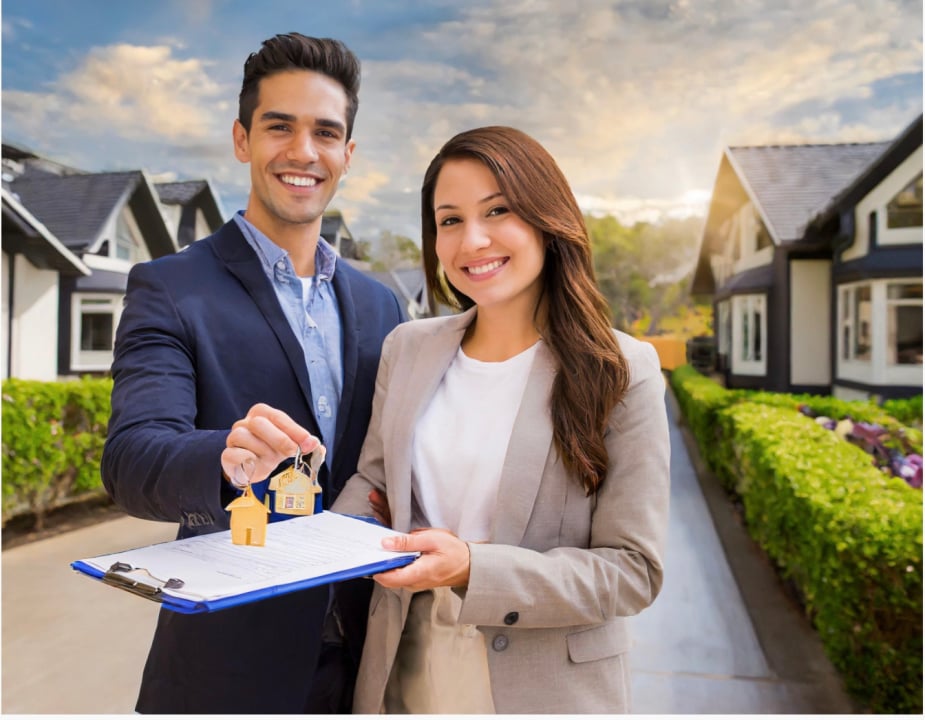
<point x="526" y="453"/>
<point x="430" y="361"/>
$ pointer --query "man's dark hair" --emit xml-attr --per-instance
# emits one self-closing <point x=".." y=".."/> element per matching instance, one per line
<point x="293" y="51"/>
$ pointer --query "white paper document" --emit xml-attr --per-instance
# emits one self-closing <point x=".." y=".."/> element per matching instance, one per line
<point x="300" y="552"/>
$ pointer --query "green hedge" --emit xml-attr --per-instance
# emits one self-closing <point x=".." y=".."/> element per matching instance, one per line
<point x="53" y="435"/>
<point x="848" y="535"/>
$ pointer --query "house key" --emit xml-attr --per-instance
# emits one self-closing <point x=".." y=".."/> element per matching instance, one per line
<point x="296" y="490"/>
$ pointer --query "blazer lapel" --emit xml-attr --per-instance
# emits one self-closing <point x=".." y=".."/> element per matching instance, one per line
<point x="526" y="454"/>
<point x="243" y="263"/>
<point x="351" y="342"/>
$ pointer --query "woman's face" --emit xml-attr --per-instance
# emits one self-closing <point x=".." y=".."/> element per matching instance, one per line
<point x="488" y="253"/>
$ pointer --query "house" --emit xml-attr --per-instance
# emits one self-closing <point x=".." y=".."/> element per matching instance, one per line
<point x="69" y="241"/>
<point x="334" y="229"/>
<point x="813" y="257"/>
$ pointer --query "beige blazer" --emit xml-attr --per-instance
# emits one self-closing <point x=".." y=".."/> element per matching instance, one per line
<point x="553" y="587"/>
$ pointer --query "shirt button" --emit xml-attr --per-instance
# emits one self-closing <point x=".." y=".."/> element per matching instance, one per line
<point x="500" y="643"/>
<point x="511" y="618"/>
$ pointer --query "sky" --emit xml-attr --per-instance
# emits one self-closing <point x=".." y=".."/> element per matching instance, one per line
<point x="636" y="99"/>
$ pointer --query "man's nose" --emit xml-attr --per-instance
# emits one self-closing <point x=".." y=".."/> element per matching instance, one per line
<point x="302" y="148"/>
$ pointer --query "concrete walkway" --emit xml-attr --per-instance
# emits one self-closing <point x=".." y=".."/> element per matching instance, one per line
<point x="721" y="638"/>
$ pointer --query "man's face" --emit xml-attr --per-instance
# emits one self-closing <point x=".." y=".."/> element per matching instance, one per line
<point x="297" y="149"/>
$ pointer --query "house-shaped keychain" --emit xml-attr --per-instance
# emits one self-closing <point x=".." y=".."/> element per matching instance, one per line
<point x="248" y="519"/>
<point x="295" y="490"/>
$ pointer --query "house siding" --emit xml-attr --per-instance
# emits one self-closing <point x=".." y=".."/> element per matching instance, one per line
<point x="810" y="323"/>
<point x="876" y="202"/>
<point x="34" y="326"/>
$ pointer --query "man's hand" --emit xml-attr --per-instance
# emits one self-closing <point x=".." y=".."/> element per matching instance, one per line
<point x="260" y="441"/>
<point x="379" y="504"/>
<point x="444" y="561"/>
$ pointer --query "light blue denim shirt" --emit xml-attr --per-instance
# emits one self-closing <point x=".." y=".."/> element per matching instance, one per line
<point x="311" y="308"/>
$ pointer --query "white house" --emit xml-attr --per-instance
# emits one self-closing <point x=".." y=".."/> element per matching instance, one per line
<point x="813" y="257"/>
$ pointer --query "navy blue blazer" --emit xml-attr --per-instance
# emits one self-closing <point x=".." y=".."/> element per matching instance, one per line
<point x="201" y="339"/>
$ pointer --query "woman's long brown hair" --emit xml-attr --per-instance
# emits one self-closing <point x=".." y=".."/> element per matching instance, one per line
<point x="593" y="374"/>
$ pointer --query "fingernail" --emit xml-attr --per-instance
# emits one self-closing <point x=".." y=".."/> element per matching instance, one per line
<point x="389" y="543"/>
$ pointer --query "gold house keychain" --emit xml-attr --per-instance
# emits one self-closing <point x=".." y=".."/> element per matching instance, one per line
<point x="248" y="519"/>
<point x="295" y="491"/>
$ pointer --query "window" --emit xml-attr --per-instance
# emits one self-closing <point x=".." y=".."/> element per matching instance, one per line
<point x="748" y="334"/>
<point x="880" y="332"/>
<point x="125" y="246"/>
<point x="752" y="310"/>
<point x="855" y="323"/>
<point x="904" y="323"/>
<point x="762" y="236"/>
<point x="95" y="318"/>
<point x="905" y="209"/>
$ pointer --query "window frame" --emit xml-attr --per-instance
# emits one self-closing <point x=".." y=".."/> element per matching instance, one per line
<point x="749" y="334"/>
<point x="97" y="304"/>
<point x="879" y="369"/>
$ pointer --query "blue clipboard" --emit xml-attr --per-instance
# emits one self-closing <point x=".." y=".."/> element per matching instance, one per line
<point x="117" y="570"/>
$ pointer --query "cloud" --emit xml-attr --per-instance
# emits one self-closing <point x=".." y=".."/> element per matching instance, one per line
<point x="11" y="26"/>
<point x="634" y="98"/>
<point x="132" y="92"/>
<point x="362" y="188"/>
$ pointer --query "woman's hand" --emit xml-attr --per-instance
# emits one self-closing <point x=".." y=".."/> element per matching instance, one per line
<point x="260" y="441"/>
<point x="444" y="561"/>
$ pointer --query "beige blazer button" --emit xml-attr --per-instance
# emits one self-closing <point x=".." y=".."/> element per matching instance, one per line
<point x="499" y="643"/>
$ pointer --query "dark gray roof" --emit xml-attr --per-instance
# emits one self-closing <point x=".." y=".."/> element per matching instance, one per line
<point x="75" y="207"/>
<point x="791" y="184"/>
<point x="24" y="233"/>
<point x="332" y="222"/>
<point x="180" y="193"/>
<point x="905" y="144"/>
<point x="406" y="284"/>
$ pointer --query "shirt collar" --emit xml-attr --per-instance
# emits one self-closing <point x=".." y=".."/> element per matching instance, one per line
<point x="270" y="253"/>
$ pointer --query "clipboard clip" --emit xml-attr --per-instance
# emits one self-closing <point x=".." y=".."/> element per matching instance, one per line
<point x="120" y="575"/>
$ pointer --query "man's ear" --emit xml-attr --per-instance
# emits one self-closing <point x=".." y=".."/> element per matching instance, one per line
<point x="241" y="146"/>
<point x="348" y="153"/>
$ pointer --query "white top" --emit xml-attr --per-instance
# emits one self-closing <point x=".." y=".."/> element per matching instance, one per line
<point x="460" y="443"/>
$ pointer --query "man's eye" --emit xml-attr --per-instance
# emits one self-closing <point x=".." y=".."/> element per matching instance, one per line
<point x="279" y="128"/>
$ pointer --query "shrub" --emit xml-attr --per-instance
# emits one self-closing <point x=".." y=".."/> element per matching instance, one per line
<point x="851" y="538"/>
<point x="53" y="435"/>
<point x="908" y="411"/>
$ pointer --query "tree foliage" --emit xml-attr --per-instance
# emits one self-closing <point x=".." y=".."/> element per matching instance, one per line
<point x="644" y="271"/>
<point x="393" y="252"/>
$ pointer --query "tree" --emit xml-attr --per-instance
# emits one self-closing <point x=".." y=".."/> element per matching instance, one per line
<point x="644" y="270"/>
<point x="394" y="252"/>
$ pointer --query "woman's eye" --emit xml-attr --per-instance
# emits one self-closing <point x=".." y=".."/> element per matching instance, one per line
<point x="500" y="210"/>
<point x="448" y="221"/>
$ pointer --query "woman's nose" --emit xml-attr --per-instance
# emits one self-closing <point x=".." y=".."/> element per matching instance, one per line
<point x="475" y="236"/>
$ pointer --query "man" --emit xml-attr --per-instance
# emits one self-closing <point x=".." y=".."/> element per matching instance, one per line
<point x="248" y="345"/>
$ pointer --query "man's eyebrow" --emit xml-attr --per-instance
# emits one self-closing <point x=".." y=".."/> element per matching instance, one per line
<point x="447" y="206"/>
<point x="333" y="124"/>
<point x="276" y="115"/>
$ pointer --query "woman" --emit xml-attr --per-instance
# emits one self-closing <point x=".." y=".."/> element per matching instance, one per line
<point x="523" y="445"/>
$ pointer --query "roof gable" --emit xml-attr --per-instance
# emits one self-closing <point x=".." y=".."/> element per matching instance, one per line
<point x="791" y="184"/>
<point x="75" y="208"/>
